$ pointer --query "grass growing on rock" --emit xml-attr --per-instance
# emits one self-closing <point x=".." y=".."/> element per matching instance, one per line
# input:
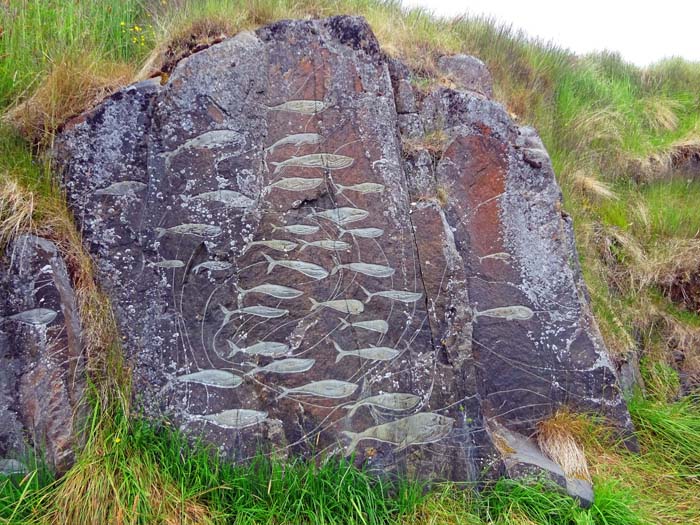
<point x="618" y="137"/>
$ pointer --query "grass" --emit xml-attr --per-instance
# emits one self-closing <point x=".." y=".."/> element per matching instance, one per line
<point x="146" y="472"/>
<point x="615" y="134"/>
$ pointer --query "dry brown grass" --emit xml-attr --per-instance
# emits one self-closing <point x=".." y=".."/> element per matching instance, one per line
<point x="93" y="492"/>
<point x="660" y="113"/>
<point x="71" y="87"/>
<point x="17" y="206"/>
<point x="556" y="438"/>
<point x="590" y="186"/>
<point x="179" y="43"/>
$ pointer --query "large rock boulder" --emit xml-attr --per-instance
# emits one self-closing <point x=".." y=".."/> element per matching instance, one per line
<point x="307" y="256"/>
<point x="41" y="357"/>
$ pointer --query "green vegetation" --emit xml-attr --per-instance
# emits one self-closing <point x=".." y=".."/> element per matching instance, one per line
<point x="617" y="135"/>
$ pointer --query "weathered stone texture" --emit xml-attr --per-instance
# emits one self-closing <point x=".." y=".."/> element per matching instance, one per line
<point x="275" y="216"/>
<point x="41" y="362"/>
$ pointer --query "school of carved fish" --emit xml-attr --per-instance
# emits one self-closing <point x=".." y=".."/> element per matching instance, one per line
<point x="412" y="429"/>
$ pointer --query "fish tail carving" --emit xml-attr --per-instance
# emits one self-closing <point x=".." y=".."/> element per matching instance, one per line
<point x="272" y="263"/>
<point x="367" y="293"/>
<point x="234" y="348"/>
<point x="160" y="232"/>
<point x="314" y="303"/>
<point x="284" y="393"/>
<point x="346" y="325"/>
<point x="341" y="353"/>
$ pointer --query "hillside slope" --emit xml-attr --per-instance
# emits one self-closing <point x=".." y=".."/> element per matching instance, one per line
<point x="625" y="144"/>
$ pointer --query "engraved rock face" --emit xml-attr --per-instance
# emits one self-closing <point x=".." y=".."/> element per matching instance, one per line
<point x="41" y="379"/>
<point x="286" y="276"/>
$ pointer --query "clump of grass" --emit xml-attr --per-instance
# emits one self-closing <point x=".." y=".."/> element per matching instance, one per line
<point x="556" y="438"/>
<point x="72" y="85"/>
<point x="136" y="472"/>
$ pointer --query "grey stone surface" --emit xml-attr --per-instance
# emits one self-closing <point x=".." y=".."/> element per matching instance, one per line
<point x="523" y="459"/>
<point x="297" y="266"/>
<point x="41" y="362"/>
<point x="468" y="72"/>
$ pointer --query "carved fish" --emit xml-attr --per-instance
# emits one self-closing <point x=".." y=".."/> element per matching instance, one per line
<point x="297" y="229"/>
<point x="273" y="290"/>
<point x="309" y="269"/>
<point x="397" y="402"/>
<point x="217" y="378"/>
<point x="377" y="325"/>
<point x="327" y="161"/>
<point x="198" y="230"/>
<point x="372" y="270"/>
<point x="395" y="295"/>
<point x="418" y="429"/>
<point x="365" y="187"/>
<point x="264" y="348"/>
<point x="168" y="263"/>
<point x="509" y="313"/>
<point x="35" y="316"/>
<point x="342" y="216"/>
<point x="298" y="139"/>
<point x="228" y="197"/>
<point x="296" y="184"/>
<point x="346" y="306"/>
<point x="119" y="189"/>
<point x="290" y="365"/>
<point x="237" y="418"/>
<point x="326" y="244"/>
<point x="214" y="266"/>
<point x="374" y="353"/>
<point x="500" y="256"/>
<point x="306" y="107"/>
<point x="209" y="140"/>
<point x="329" y="388"/>
<point x="258" y="311"/>
<point x="366" y="233"/>
<point x="279" y="245"/>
